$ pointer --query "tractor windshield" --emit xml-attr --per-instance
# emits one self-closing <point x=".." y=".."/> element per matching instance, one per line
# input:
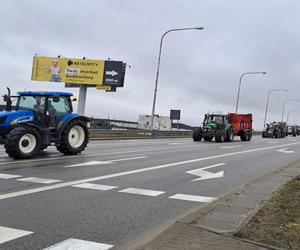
<point x="36" y="103"/>
<point x="213" y="118"/>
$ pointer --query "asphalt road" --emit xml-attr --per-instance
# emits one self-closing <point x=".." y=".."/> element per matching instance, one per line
<point x="119" y="194"/>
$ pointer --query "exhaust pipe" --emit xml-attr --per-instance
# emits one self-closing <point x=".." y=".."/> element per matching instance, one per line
<point x="7" y="99"/>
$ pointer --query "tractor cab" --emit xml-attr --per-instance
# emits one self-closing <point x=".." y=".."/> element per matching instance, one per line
<point x="39" y="119"/>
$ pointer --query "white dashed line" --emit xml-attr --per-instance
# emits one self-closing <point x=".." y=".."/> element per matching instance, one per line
<point x="39" y="180"/>
<point x="72" y="244"/>
<point x="94" y="186"/>
<point x="195" y="198"/>
<point x="141" y="191"/>
<point x="9" y="176"/>
<point x="8" y="234"/>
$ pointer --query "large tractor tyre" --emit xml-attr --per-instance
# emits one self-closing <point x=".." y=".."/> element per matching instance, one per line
<point x="23" y="142"/>
<point x="197" y="134"/>
<point x="229" y="136"/>
<point x="264" y="134"/>
<point x="244" y="136"/>
<point x="208" y="138"/>
<point x="220" y="137"/>
<point x="74" y="138"/>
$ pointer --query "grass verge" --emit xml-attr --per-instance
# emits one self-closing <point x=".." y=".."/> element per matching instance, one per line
<point x="278" y="222"/>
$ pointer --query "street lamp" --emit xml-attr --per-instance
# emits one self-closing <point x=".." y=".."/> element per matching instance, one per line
<point x="239" y="89"/>
<point x="288" y="115"/>
<point x="267" y="105"/>
<point x="158" y="66"/>
<point x="284" y="104"/>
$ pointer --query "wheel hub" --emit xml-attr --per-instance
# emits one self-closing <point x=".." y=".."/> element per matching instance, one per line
<point x="25" y="143"/>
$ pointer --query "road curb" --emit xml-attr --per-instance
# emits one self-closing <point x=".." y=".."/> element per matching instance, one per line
<point x="246" y="200"/>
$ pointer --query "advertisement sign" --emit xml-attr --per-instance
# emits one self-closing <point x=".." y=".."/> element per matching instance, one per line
<point x="175" y="114"/>
<point x="114" y="73"/>
<point x="80" y="71"/>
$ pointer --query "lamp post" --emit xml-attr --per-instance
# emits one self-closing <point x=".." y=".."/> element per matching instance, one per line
<point x="240" y="83"/>
<point x="288" y="115"/>
<point x="267" y="105"/>
<point x="158" y="67"/>
<point x="284" y="104"/>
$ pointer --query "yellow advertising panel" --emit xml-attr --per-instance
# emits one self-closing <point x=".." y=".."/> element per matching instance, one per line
<point x="103" y="87"/>
<point x="67" y="70"/>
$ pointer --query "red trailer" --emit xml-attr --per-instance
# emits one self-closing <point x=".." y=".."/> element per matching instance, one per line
<point x="242" y="125"/>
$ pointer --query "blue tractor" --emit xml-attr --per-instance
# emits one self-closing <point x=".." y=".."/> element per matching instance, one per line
<point x="40" y="119"/>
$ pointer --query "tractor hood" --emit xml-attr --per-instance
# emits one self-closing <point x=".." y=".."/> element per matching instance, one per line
<point x="210" y="126"/>
<point x="14" y="117"/>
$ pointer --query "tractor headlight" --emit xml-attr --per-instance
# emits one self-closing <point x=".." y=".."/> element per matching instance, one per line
<point x="3" y="119"/>
<point x="88" y="124"/>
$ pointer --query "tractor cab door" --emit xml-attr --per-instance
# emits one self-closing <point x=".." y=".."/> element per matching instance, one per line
<point x="57" y="107"/>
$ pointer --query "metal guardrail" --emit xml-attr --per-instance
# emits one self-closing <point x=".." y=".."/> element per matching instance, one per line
<point x="97" y="134"/>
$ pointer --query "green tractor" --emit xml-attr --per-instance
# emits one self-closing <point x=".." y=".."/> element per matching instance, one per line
<point x="214" y="126"/>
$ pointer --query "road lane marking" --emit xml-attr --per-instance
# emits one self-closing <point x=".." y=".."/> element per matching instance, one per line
<point x="94" y="186"/>
<point x="138" y="191"/>
<point x="284" y="150"/>
<point x="196" y="198"/>
<point x="176" y="143"/>
<point x="94" y="163"/>
<point x="204" y="175"/>
<point x="98" y="154"/>
<point x="72" y="244"/>
<point x="8" y="234"/>
<point x="9" y="176"/>
<point x="130" y="172"/>
<point x="39" y="180"/>
<point x="228" y="147"/>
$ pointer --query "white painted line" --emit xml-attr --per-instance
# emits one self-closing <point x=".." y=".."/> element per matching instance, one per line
<point x="39" y="180"/>
<point x="284" y="150"/>
<point x="195" y="198"/>
<point x="76" y="244"/>
<point x="8" y="234"/>
<point x="89" y="163"/>
<point x="95" y="163"/>
<point x="129" y="159"/>
<point x="98" y="154"/>
<point x="176" y="143"/>
<point x="94" y="186"/>
<point x="9" y="176"/>
<point x="130" y="172"/>
<point x="204" y="175"/>
<point x="146" y="192"/>
<point x="272" y="142"/>
<point x="228" y="147"/>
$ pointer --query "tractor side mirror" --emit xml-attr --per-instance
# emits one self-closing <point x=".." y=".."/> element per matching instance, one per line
<point x="56" y="98"/>
<point x="5" y="98"/>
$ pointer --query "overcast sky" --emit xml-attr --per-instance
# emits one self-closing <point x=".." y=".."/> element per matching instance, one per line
<point x="199" y="69"/>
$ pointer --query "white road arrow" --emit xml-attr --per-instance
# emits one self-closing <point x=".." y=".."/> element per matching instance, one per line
<point x="94" y="163"/>
<point x="111" y="73"/>
<point x="284" y="150"/>
<point x="204" y="175"/>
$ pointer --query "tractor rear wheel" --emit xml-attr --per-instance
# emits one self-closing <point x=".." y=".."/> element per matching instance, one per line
<point x="74" y="138"/>
<point x="229" y="136"/>
<point x="220" y="137"/>
<point x="22" y="142"/>
<point x="197" y="134"/>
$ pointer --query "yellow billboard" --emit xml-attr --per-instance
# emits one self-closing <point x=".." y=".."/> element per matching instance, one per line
<point x="67" y="70"/>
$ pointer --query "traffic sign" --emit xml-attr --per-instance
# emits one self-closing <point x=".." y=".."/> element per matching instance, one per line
<point x="114" y="73"/>
<point x="175" y="114"/>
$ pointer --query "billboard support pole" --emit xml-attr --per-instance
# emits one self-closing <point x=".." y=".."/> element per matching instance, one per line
<point x="82" y="99"/>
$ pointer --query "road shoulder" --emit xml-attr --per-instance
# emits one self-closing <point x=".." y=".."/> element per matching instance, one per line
<point x="213" y="226"/>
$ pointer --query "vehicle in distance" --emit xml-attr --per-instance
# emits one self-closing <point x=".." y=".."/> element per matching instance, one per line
<point x="275" y="130"/>
<point x="292" y="130"/>
<point x="40" y="119"/>
<point x="223" y="127"/>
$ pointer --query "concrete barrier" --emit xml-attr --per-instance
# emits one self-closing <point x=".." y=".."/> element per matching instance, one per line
<point x="98" y="134"/>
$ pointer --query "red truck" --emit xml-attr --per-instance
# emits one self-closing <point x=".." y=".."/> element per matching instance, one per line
<point x="224" y="127"/>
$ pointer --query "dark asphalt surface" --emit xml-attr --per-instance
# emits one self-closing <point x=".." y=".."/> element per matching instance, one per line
<point x="58" y="211"/>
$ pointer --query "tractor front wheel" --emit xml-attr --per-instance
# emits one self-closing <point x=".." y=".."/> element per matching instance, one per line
<point x="197" y="134"/>
<point x="23" y="142"/>
<point x="220" y="137"/>
<point x="74" y="138"/>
